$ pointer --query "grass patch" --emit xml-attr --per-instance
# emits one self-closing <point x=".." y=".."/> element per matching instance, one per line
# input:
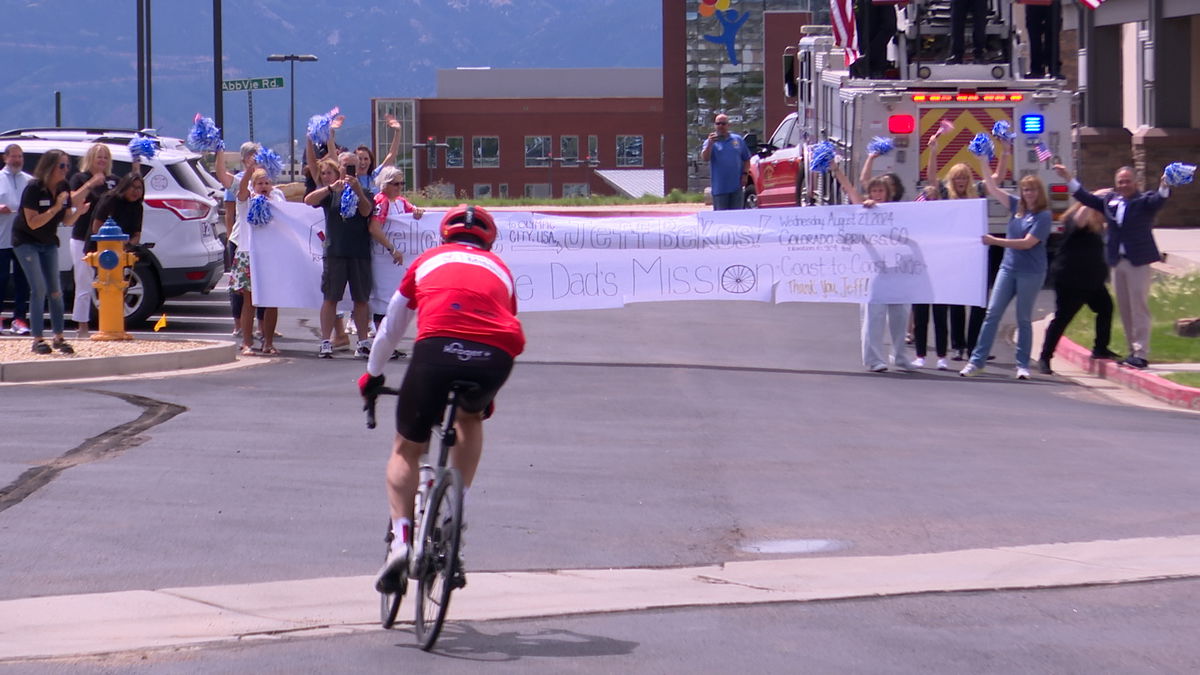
<point x="1186" y="379"/>
<point x="1171" y="298"/>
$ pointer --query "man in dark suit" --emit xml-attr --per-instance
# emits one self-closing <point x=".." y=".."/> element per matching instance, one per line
<point x="1129" y="249"/>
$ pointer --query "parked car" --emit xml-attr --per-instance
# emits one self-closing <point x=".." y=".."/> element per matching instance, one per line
<point x="775" y="167"/>
<point x="180" y="223"/>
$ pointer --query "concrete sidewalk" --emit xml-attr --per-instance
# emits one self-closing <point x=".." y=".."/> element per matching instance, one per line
<point x="63" y="626"/>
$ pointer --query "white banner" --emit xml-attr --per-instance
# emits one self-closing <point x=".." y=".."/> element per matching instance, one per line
<point x="917" y="252"/>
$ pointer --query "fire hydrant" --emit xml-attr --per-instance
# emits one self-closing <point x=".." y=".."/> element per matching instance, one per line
<point x="111" y="260"/>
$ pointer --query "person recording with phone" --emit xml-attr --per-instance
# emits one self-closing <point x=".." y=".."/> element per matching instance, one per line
<point x="729" y="163"/>
<point x="348" y="208"/>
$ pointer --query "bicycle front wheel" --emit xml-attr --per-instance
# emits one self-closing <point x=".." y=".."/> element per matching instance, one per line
<point x="439" y="564"/>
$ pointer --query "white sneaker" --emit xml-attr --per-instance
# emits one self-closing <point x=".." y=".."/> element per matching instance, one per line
<point x="942" y="364"/>
<point x="970" y="370"/>
<point x="1022" y="373"/>
<point x="364" y="350"/>
<point x="918" y="362"/>
<point x="326" y="350"/>
<point x="391" y="576"/>
<point x="877" y="368"/>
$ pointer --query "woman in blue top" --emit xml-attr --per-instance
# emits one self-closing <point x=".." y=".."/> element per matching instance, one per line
<point x="1022" y="271"/>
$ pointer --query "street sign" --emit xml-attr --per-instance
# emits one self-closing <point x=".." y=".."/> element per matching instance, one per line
<point x="252" y="84"/>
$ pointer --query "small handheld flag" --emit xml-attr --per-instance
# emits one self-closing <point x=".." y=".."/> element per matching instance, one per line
<point x="1043" y="153"/>
<point x="161" y="324"/>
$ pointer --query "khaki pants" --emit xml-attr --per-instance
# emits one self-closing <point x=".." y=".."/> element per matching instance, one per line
<point x="1131" y="283"/>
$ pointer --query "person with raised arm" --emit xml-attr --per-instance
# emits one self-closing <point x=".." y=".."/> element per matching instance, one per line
<point x="1022" y="269"/>
<point x="878" y="316"/>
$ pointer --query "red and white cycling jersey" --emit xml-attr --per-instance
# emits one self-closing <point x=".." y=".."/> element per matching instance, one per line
<point x="462" y="291"/>
<point x="383" y="206"/>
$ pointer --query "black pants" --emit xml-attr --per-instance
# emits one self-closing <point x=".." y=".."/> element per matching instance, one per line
<point x="1043" y="22"/>
<point x="958" y="26"/>
<point x="880" y="20"/>
<point x="1067" y="303"/>
<point x="921" y="315"/>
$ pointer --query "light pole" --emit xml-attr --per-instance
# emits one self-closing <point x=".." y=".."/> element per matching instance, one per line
<point x="292" y="59"/>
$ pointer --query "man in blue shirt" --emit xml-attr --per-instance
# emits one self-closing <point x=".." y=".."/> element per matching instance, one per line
<point x="729" y="161"/>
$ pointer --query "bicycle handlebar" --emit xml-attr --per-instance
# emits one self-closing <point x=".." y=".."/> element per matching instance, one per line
<point x="369" y="403"/>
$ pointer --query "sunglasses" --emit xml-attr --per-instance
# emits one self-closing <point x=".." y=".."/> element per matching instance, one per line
<point x="721" y="124"/>
<point x="397" y="183"/>
<point x="63" y="165"/>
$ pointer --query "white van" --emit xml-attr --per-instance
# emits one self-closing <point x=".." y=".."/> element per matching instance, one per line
<point x="180" y="223"/>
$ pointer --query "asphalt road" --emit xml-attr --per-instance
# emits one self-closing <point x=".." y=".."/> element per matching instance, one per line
<point x="656" y="435"/>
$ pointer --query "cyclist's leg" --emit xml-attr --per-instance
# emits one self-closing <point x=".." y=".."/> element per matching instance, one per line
<point x="402" y="475"/>
<point x="465" y="454"/>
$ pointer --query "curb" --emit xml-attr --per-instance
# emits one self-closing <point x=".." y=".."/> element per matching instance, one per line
<point x="215" y="353"/>
<point x="1141" y="381"/>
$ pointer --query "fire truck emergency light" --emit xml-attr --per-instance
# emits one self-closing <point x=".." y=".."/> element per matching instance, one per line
<point x="901" y="124"/>
<point x="1033" y="124"/>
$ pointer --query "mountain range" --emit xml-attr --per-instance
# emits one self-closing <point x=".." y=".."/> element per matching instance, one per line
<point x="87" y="50"/>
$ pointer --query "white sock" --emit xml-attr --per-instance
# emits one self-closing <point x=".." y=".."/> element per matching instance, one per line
<point x="402" y="531"/>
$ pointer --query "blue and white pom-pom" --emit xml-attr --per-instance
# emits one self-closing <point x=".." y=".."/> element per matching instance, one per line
<point x="205" y="136"/>
<point x="349" y="203"/>
<point x="880" y="145"/>
<point x="318" y="126"/>
<point x="822" y="157"/>
<point x="141" y="147"/>
<point x="266" y="159"/>
<point x="259" y="212"/>
<point x="982" y="146"/>
<point x="1178" y="173"/>
<point x="1002" y="129"/>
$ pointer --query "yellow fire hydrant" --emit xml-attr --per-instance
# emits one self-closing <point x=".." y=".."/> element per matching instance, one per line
<point x="111" y="260"/>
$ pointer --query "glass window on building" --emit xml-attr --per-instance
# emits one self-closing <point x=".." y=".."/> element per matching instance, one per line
<point x="629" y="151"/>
<point x="593" y="154"/>
<point x="537" y="151"/>
<point x="538" y="190"/>
<point x="504" y="190"/>
<point x="575" y="189"/>
<point x="726" y="75"/>
<point x="568" y="150"/>
<point x="485" y="152"/>
<point x="404" y="110"/>
<point x="454" y="153"/>
<point x="483" y="190"/>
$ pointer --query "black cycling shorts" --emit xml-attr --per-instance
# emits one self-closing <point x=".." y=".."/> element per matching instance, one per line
<point x="436" y="363"/>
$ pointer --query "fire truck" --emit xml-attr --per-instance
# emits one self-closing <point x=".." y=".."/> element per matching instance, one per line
<point x="909" y="107"/>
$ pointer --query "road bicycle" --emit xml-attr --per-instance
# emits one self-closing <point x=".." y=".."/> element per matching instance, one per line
<point x="439" y="521"/>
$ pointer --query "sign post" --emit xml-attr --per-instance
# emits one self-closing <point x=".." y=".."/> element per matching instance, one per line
<point x="249" y="85"/>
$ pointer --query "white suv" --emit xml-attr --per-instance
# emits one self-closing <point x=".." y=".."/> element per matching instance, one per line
<point x="180" y="221"/>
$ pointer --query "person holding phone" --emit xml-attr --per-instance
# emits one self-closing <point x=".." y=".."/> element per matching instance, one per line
<point x="729" y="162"/>
<point x="46" y="203"/>
<point x="347" y="261"/>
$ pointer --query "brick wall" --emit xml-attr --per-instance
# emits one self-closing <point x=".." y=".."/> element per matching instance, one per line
<point x="1152" y="150"/>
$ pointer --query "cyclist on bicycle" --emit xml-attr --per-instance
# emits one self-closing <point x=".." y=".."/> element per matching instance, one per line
<point x="467" y="330"/>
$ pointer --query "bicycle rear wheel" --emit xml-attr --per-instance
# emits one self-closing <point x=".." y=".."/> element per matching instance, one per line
<point x="439" y="563"/>
<point x="389" y="603"/>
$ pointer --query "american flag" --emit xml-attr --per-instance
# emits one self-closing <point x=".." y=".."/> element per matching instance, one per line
<point x="844" y="34"/>
<point x="920" y="196"/>
<point x="1043" y="153"/>
<point x="1092" y="4"/>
